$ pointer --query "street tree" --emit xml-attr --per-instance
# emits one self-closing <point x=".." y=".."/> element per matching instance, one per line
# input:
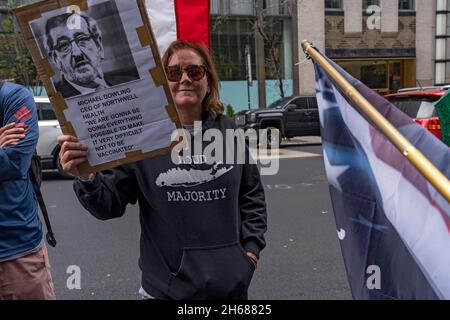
<point x="263" y="25"/>
<point x="267" y="27"/>
<point x="15" y="61"/>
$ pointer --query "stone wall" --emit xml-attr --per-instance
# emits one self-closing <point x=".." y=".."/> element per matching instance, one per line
<point x="341" y="44"/>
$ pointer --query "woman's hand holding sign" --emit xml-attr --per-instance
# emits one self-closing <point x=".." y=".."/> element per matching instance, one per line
<point x="73" y="154"/>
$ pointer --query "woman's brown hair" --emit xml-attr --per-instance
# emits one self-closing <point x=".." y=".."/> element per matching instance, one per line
<point x="211" y="101"/>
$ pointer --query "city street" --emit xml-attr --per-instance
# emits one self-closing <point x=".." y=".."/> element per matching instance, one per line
<point x="302" y="259"/>
<point x="371" y="78"/>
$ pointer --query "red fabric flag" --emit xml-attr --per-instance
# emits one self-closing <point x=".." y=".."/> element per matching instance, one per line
<point x="186" y="20"/>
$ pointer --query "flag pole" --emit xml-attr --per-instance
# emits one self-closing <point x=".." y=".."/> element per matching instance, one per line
<point x="414" y="156"/>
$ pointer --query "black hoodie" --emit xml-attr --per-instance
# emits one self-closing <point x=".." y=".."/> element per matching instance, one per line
<point x="197" y="221"/>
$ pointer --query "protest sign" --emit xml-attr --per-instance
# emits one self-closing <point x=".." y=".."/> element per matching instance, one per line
<point x="103" y="73"/>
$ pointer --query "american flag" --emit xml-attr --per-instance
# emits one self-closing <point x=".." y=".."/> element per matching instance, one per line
<point x="393" y="226"/>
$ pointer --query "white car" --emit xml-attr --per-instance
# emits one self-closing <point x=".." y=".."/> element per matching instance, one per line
<point x="49" y="130"/>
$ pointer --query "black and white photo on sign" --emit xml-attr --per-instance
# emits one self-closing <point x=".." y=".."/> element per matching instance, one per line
<point x="88" y="51"/>
<point x="102" y="68"/>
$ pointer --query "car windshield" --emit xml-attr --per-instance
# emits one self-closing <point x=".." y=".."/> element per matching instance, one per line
<point x="417" y="108"/>
<point x="45" y="111"/>
<point x="279" y="103"/>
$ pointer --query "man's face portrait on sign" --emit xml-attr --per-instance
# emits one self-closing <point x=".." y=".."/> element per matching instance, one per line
<point x="87" y="50"/>
<point x="76" y="49"/>
<point x="77" y="52"/>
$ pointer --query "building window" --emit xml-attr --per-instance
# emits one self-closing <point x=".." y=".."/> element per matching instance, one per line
<point x="230" y="36"/>
<point x="368" y="3"/>
<point x="247" y="7"/>
<point x="232" y="7"/>
<point x="277" y="48"/>
<point x="277" y="7"/>
<point x="407" y="5"/>
<point x="333" y="4"/>
<point x="13" y="3"/>
<point x="384" y="76"/>
<point x="228" y="40"/>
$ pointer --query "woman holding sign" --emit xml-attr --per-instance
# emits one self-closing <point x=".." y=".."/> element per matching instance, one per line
<point x="202" y="221"/>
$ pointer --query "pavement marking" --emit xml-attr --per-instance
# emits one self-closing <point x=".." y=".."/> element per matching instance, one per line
<point x="282" y="154"/>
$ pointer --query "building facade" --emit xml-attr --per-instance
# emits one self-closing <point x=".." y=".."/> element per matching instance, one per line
<point x="254" y="53"/>
<point x="387" y="44"/>
<point x="442" y="36"/>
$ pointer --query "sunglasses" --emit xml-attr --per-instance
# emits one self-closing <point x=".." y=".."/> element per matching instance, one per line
<point x="194" y="72"/>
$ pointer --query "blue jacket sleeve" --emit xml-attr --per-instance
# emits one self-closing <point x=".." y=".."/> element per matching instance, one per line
<point x="19" y="107"/>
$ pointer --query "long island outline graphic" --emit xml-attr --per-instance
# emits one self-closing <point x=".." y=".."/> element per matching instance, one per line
<point x="177" y="177"/>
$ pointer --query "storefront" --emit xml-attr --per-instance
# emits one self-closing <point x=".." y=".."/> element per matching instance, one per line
<point x="383" y="75"/>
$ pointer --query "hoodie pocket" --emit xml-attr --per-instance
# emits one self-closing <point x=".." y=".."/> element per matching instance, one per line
<point x="221" y="272"/>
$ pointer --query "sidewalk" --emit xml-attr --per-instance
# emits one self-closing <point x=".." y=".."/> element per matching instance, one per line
<point x="284" y="152"/>
<point x="302" y="140"/>
<point x="313" y="140"/>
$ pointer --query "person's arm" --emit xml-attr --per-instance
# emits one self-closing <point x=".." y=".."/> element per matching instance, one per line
<point x="252" y="205"/>
<point x="17" y="148"/>
<point x="107" y="195"/>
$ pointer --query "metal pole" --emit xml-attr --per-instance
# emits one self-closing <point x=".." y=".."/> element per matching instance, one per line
<point x="248" y="68"/>
<point x="248" y="96"/>
<point x="414" y="156"/>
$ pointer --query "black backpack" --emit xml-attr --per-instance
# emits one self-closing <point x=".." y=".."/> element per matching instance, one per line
<point x="35" y="173"/>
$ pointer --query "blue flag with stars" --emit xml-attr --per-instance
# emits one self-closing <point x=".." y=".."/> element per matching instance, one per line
<point x="393" y="225"/>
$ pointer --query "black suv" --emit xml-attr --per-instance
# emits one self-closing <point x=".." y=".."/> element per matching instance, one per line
<point x="292" y="116"/>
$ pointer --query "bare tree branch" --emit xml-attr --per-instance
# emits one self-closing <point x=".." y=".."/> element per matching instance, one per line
<point x="263" y="24"/>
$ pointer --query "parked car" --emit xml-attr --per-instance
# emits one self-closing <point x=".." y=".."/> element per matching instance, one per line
<point x="292" y="116"/>
<point x="419" y="104"/>
<point x="49" y="130"/>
